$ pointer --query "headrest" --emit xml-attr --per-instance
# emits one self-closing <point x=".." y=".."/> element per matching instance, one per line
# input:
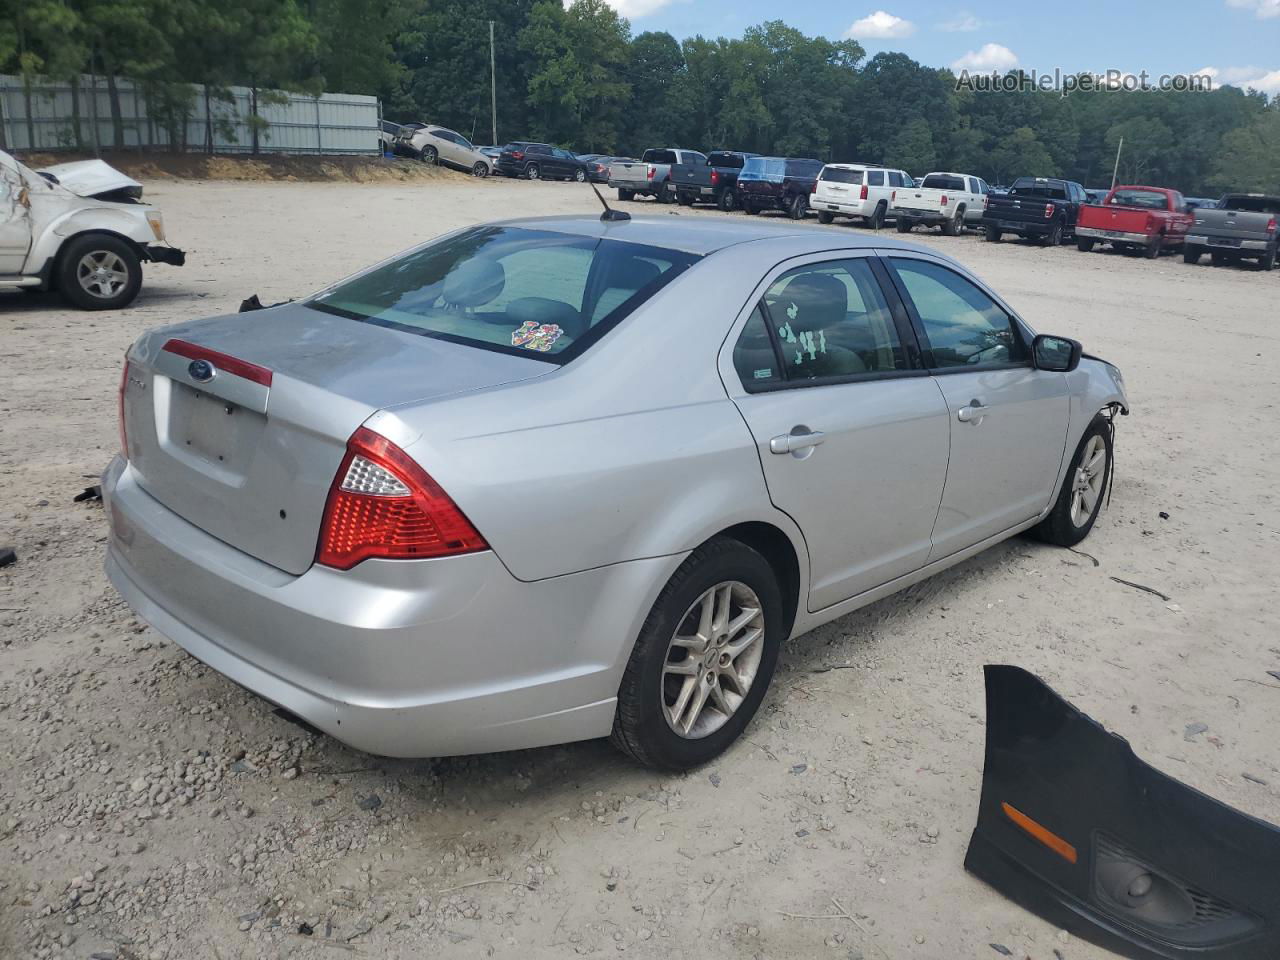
<point x="819" y="301"/>
<point x="474" y="282"/>
<point x="635" y="274"/>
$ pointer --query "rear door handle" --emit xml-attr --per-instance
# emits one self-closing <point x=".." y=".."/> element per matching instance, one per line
<point x="973" y="412"/>
<point x="796" y="441"/>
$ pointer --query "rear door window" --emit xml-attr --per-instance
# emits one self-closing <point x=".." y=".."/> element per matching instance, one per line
<point x="963" y="326"/>
<point x="828" y="320"/>
<point x="510" y="290"/>
<point x="895" y="178"/>
<point x="875" y="178"/>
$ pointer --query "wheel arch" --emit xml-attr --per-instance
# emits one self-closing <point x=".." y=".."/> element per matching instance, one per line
<point x="776" y="547"/>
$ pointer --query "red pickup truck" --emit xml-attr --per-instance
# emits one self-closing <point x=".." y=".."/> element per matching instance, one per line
<point x="1150" y="219"/>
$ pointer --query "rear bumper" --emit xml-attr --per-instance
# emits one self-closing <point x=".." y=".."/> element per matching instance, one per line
<point x="170" y="255"/>
<point x="398" y="658"/>
<point x="922" y="216"/>
<point x="635" y="186"/>
<point x="1094" y="233"/>
<point x="1033" y="227"/>
<point x="1225" y="243"/>
<point x="849" y="208"/>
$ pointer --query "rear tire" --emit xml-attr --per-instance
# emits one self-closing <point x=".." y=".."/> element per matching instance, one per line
<point x="1218" y="259"/>
<point x="1054" y="237"/>
<point x="877" y="218"/>
<point x="798" y="207"/>
<point x="664" y="195"/>
<point x="1268" y="260"/>
<point x="1060" y="527"/>
<point x="624" y="195"/>
<point x="952" y="226"/>
<point x="826" y="216"/>
<point x="1084" y="244"/>
<point x="904" y="224"/>
<point x="1152" y="250"/>
<point x="684" y="199"/>
<point x="993" y="235"/>
<point x="430" y="156"/>
<point x="532" y="172"/>
<point x="641" y="728"/>
<point x="99" y="271"/>
<point x="750" y="209"/>
<point x="1191" y="254"/>
<point x="726" y="201"/>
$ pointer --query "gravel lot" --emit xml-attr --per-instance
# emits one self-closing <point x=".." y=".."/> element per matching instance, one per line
<point x="149" y="808"/>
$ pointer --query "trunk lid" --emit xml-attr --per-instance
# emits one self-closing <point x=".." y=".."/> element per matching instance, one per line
<point x="249" y="455"/>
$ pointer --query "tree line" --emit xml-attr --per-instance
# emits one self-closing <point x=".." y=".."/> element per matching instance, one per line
<point x="580" y="78"/>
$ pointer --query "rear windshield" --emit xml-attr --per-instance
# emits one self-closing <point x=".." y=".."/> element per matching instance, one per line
<point x="1251" y="204"/>
<point x="658" y="156"/>
<point x="1139" y="198"/>
<point x="510" y="290"/>
<point x="734" y="160"/>
<point x="1048" y="189"/>
<point x="763" y="168"/>
<point x="803" y="168"/>
<point x="942" y="181"/>
<point x="841" y="175"/>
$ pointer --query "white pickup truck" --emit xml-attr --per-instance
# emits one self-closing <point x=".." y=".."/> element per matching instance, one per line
<point x="648" y="176"/>
<point x="951" y="201"/>
<point x="78" y="228"/>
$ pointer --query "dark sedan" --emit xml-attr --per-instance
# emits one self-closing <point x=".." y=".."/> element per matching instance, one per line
<point x="598" y="165"/>
<point x="540" y="161"/>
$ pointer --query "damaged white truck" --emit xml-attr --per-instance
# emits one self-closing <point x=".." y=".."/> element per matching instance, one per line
<point x="78" y="228"/>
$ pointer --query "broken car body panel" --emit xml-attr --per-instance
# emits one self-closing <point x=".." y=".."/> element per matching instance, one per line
<point x="1078" y="830"/>
<point x="38" y="216"/>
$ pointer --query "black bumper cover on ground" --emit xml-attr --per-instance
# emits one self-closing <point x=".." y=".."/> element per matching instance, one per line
<point x="170" y="255"/>
<point x="1161" y="870"/>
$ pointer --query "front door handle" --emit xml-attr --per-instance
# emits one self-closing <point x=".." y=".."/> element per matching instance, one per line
<point x="973" y="412"/>
<point x="799" y="439"/>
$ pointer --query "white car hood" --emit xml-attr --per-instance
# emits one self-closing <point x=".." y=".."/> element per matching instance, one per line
<point x="90" y="178"/>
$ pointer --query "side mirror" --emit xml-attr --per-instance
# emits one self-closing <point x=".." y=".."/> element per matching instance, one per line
<point x="1059" y="354"/>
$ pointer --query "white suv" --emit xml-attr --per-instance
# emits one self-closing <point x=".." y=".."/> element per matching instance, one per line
<point x="856" y="190"/>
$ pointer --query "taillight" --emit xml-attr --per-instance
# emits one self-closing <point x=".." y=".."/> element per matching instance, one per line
<point x="1271" y="225"/>
<point x="944" y="200"/>
<point x="715" y="177"/>
<point x="517" y="154"/>
<point x="813" y="187"/>
<point x="893" y="197"/>
<point x="649" y="172"/>
<point x="124" y="433"/>
<point x="1048" y="211"/>
<point x="863" y="194"/>
<point x="382" y="504"/>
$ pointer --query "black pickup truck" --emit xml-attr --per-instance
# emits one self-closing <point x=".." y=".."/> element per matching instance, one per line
<point x="715" y="181"/>
<point x="1041" y="207"/>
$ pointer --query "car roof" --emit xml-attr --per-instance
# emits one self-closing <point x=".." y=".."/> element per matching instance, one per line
<point x="706" y="235"/>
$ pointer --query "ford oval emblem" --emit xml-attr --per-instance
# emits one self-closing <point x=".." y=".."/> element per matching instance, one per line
<point x="201" y="371"/>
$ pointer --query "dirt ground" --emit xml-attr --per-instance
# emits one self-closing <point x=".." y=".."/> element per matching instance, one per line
<point x="150" y="808"/>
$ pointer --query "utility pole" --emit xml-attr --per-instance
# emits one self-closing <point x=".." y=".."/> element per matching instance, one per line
<point x="1116" y="169"/>
<point x="493" y="88"/>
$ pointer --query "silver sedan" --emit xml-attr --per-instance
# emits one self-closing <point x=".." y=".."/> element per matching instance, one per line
<point x="548" y="480"/>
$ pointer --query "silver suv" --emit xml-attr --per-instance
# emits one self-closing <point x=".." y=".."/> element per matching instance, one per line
<point x="433" y="144"/>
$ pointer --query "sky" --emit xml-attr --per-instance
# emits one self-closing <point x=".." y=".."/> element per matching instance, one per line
<point x="1236" y="41"/>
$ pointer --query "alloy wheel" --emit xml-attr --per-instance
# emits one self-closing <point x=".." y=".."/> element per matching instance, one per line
<point x="102" y="274"/>
<point x="1090" y="475"/>
<point x="712" y="659"/>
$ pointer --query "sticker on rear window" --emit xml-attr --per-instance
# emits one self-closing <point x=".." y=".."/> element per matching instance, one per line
<point x="536" y="336"/>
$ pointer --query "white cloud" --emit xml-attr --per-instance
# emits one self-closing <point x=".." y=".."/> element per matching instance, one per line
<point x="1259" y="78"/>
<point x="962" y="22"/>
<point x="992" y="56"/>
<point x="1262" y="9"/>
<point x="880" y="26"/>
<point x="632" y="9"/>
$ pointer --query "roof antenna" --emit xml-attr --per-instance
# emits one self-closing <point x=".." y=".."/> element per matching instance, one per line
<point x="609" y="214"/>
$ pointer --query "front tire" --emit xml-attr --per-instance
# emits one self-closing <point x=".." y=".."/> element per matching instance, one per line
<point x="429" y="156"/>
<point x="1083" y="489"/>
<point x="480" y="170"/>
<point x="703" y="661"/>
<point x="99" y="272"/>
